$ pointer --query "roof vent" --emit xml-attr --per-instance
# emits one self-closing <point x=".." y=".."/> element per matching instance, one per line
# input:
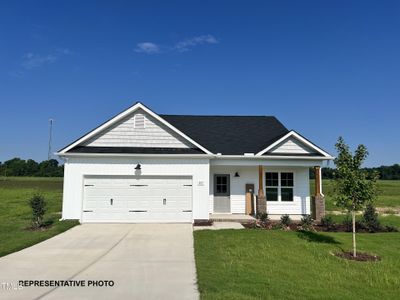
<point x="139" y="121"/>
<point x="248" y="154"/>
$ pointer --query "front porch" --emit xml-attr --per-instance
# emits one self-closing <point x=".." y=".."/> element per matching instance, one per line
<point x="231" y="218"/>
<point x="238" y="191"/>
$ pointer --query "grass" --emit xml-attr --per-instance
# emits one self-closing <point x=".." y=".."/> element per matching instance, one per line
<point x="15" y="213"/>
<point x="260" y="264"/>
<point x="389" y="193"/>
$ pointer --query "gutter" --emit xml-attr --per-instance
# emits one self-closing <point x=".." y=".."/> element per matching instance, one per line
<point x="210" y="156"/>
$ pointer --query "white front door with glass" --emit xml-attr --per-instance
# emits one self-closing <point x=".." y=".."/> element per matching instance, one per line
<point x="222" y="199"/>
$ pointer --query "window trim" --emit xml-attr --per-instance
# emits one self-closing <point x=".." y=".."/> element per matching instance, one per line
<point x="279" y="186"/>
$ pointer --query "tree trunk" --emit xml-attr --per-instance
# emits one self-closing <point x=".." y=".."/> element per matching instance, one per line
<point x="354" y="233"/>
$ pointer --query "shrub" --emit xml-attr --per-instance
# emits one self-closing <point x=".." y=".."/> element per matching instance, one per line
<point x="389" y="228"/>
<point x="327" y="222"/>
<point x="306" y="222"/>
<point x="285" y="220"/>
<point x="38" y="206"/>
<point x="263" y="217"/>
<point x="370" y="219"/>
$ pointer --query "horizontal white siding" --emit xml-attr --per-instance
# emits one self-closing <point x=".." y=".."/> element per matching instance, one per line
<point x="300" y="205"/>
<point x="77" y="168"/>
<point x="238" y="184"/>
<point x="124" y="134"/>
<point x="291" y="146"/>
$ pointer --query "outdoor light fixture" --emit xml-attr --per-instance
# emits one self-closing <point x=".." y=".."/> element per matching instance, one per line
<point x="237" y="174"/>
<point x="138" y="167"/>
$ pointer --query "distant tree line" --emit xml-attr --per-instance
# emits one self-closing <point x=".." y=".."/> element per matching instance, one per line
<point x="21" y="167"/>
<point x="384" y="172"/>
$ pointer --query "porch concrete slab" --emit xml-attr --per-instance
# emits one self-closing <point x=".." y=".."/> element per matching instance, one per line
<point x="227" y="225"/>
<point x="145" y="261"/>
<point x="220" y="225"/>
<point x="231" y="218"/>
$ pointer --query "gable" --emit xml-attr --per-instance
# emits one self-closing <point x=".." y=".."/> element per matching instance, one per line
<point x="138" y="129"/>
<point x="291" y="146"/>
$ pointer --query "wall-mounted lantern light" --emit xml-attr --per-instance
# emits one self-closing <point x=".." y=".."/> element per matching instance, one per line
<point x="237" y="174"/>
<point x="138" y="167"/>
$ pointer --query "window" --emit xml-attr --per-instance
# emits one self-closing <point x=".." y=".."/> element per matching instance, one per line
<point x="279" y="186"/>
<point x="286" y="186"/>
<point x="271" y="184"/>
<point x="221" y="185"/>
<point x="271" y="178"/>
<point x="286" y="179"/>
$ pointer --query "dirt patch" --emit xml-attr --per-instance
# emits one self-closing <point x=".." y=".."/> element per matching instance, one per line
<point x="360" y="256"/>
<point x="41" y="228"/>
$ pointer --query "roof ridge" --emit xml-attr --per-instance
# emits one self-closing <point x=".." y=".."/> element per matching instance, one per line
<point x="252" y="116"/>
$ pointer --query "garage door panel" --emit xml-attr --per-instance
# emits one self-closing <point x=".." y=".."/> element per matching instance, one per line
<point x="160" y="216"/>
<point x="103" y="216"/>
<point x="138" y="199"/>
<point x="105" y="202"/>
<point x="177" y="193"/>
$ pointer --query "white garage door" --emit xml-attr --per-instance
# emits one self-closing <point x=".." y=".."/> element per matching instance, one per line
<point x="132" y="199"/>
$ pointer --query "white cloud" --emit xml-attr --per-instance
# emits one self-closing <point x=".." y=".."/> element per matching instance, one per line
<point x="187" y="44"/>
<point x="148" y="48"/>
<point x="31" y="60"/>
<point x="64" y="51"/>
<point x="181" y="46"/>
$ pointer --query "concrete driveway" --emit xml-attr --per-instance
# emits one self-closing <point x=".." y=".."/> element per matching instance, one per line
<point x="141" y="261"/>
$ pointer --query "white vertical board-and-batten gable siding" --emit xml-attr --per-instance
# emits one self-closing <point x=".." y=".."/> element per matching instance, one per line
<point x="291" y="146"/>
<point x="300" y="205"/>
<point x="125" y="134"/>
<point x="76" y="168"/>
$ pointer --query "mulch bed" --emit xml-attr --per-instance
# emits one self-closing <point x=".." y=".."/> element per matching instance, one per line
<point x="316" y="227"/>
<point x="41" y="228"/>
<point x="359" y="229"/>
<point x="203" y="223"/>
<point x="360" y="256"/>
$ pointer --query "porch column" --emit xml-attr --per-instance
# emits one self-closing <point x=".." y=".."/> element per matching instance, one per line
<point x="261" y="201"/>
<point x="319" y="199"/>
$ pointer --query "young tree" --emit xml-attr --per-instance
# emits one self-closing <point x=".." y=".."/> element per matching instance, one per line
<point x="353" y="188"/>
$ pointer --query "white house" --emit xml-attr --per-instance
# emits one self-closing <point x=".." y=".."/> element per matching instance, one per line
<point x="141" y="166"/>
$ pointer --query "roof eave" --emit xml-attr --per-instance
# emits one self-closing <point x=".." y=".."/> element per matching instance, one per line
<point x="69" y="154"/>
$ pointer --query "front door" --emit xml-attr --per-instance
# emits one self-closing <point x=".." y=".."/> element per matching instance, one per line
<point x="222" y="193"/>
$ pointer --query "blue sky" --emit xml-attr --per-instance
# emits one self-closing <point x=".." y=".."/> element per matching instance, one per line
<point x="324" y="68"/>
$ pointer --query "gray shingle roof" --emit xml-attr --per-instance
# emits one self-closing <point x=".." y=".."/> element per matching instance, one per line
<point x="229" y="135"/>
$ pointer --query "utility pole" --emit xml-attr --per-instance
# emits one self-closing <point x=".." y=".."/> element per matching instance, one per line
<point x="50" y="138"/>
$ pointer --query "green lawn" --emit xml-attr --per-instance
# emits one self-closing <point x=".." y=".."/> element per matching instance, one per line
<point x="15" y="213"/>
<point x="260" y="264"/>
<point x="389" y="193"/>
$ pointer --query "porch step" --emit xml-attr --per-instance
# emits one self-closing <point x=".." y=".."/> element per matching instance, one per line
<point x="231" y="218"/>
